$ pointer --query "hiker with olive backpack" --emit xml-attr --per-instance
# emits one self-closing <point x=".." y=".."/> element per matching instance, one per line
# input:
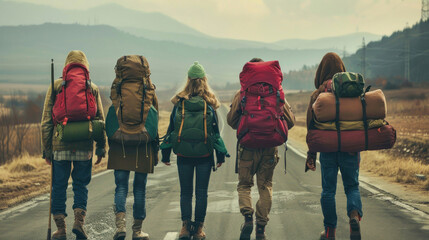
<point x="193" y="134"/>
<point x="132" y="131"/>
<point x="72" y="119"/>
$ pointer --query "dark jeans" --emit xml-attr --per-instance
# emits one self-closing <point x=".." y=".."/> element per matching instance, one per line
<point x="81" y="176"/>
<point x="139" y="191"/>
<point x="349" y="167"/>
<point x="202" y="170"/>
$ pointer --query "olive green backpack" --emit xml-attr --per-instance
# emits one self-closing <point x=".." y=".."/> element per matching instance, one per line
<point x="132" y="119"/>
<point x="348" y="84"/>
<point x="193" y="134"/>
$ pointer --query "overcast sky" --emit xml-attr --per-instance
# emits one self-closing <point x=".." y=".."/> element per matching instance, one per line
<point x="271" y="20"/>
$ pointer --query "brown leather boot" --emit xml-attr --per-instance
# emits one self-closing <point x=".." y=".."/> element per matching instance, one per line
<point x="354" y="225"/>
<point x="328" y="234"/>
<point x="79" y="220"/>
<point x="199" y="233"/>
<point x="185" y="232"/>
<point x="260" y="232"/>
<point x="60" y="234"/>
<point x="138" y="234"/>
<point x="121" y="230"/>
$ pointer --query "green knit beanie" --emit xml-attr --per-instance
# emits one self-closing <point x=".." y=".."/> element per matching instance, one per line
<point x="196" y="71"/>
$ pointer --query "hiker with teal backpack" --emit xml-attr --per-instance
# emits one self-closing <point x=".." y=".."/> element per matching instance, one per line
<point x="132" y="131"/>
<point x="193" y="134"/>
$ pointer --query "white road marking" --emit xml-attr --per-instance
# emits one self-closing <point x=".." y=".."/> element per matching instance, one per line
<point x="170" y="236"/>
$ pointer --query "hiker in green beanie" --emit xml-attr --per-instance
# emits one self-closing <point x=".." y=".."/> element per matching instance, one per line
<point x="196" y="71"/>
<point x="195" y="139"/>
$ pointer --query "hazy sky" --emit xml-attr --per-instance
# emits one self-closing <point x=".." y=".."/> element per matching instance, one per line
<point x="270" y="20"/>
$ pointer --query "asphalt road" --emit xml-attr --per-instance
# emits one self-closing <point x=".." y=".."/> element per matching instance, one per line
<point x="296" y="212"/>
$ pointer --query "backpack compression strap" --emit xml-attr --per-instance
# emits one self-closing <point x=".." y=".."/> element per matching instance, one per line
<point x="183" y="120"/>
<point x="337" y="121"/>
<point x="365" y="120"/>
<point x="205" y="122"/>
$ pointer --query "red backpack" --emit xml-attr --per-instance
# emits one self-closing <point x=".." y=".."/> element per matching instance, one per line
<point x="75" y="102"/>
<point x="262" y="123"/>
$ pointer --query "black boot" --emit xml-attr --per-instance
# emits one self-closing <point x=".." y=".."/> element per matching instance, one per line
<point x="260" y="232"/>
<point x="247" y="227"/>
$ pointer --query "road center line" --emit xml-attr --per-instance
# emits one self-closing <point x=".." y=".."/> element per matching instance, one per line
<point x="170" y="236"/>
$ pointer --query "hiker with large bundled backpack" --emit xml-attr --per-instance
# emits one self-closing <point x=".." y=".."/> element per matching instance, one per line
<point x="72" y="119"/>
<point x="330" y="162"/>
<point x="193" y="134"/>
<point x="262" y="117"/>
<point x="132" y="131"/>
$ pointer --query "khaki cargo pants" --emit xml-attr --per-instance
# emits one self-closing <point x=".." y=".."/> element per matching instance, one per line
<point x="262" y="163"/>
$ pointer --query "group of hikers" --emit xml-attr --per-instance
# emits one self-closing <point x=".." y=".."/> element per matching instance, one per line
<point x="73" y="118"/>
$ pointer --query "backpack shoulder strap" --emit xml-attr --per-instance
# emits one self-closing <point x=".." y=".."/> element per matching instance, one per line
<point x="205" y="122"/>
<point x="183" y="121"/>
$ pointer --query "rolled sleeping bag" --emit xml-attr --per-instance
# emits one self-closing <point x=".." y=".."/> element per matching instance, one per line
<point x="80" y="131"/>
<point x="350" y="108"/>
<point x="349" y="125"/>
<point x="351" y="141"/>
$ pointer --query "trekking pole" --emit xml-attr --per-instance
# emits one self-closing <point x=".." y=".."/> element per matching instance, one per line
<point x="48" y="237"/>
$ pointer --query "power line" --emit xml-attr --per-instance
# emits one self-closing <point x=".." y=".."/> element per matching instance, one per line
<point x="425" y="10"/>
<point x="363" y="57"/>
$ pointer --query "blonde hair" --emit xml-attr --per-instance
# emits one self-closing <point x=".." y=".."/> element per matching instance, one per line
<point x="197" y="87"/>
<point x="77" y="56"/>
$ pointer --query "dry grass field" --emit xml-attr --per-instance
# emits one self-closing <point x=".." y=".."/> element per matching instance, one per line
<point x="28" y="176"/>
<point x="408" y="112"/>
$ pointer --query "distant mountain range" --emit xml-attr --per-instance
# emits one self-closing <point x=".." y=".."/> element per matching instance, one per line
<point x="158" y="26"/>
<point x="26" y="52"/>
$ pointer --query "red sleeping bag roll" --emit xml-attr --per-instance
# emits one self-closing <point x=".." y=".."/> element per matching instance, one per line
<point x="351" y="141"/>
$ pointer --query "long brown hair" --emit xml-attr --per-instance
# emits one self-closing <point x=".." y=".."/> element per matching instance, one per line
<point x="197" y="87"/>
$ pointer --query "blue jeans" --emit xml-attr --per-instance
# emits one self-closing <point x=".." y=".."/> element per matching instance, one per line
<point x="81" y="176"/>
<point x="139" y="191"/>
<point x="349" y="167"/>
<point x="202" y="170"/>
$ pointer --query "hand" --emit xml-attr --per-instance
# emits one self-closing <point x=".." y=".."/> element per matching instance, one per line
<point x="311" y="162"/>
<point x="48" y="161"/>
<point x="98" y="160"/>
<point x="219" y="165"/>
<point x="167" y="163"/>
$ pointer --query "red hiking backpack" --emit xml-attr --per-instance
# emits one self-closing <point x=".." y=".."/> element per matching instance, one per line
<point x="75" y="102"/>
<point x="262" y="123"/>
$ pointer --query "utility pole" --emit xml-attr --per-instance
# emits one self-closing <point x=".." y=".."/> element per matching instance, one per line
<point x="425" y="10"/>
<point x="363" y="60"/>
<point x="344" y="52"/>
<point x="407" y="54"/>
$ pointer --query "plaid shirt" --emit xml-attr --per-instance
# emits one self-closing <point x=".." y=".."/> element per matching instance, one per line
<point x="72" y="155"/>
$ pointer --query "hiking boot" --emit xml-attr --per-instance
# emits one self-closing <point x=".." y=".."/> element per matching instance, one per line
<point x="60" y="234"/>
<point x="246" y="228"/>
<point x="354" y="225"/>
<point x="260" y="232"/>
<point x="79" y="220"/>
<point x="328" y="234"/>
<point x="185" y="232"/>
<point x="120" y="226"/>
<point x="138" y="234"/>
<point x="199" y="234"/>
